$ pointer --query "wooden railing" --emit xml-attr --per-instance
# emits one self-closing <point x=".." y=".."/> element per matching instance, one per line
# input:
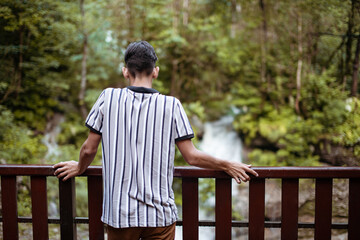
<point x="223" y="221"/>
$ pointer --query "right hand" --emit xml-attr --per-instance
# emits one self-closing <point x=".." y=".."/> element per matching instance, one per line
<point x="239" y="171"/>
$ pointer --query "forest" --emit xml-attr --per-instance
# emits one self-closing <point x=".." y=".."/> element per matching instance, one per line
<point x="290" y="69"/>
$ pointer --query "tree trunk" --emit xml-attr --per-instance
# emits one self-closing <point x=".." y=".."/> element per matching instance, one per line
<point x="176" y="13"/>
<point x="19" y="78"/>
<point x="355" y="74"/>
<point x="186" y="12"/>
<point x="263" y="38"/>
<point x="328" y="62"/>
<point x="81" y="96"/>
<point x="174" y="62"/>
<point x="130" y="20"/>
<point x="349" y="39"/>
<point x="15" y="85"/>
<point x="174" y="79"/>
<point x="144" y="20"/>
<point x="299" y="66"/>
<point x="233" y="18"/>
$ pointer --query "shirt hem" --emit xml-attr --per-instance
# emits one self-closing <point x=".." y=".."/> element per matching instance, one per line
<point x="150" y="224"/>
<point x="184" y="137"/>
<point x="93" y="129"/>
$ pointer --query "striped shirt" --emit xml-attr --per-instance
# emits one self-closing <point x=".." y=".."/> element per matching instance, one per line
<point x="139" y="127"/>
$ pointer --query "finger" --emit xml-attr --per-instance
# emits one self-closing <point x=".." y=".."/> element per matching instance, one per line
<point x="249" y="170"/>
<point x="63" y="174"/>
<point x="237" y="180"/>
<point x="59" y="170"/>
<point x="244" y="175"/>
<point x="242" y="178"/>
<point x="60" y="164"/>
<point x="253" y="172"/>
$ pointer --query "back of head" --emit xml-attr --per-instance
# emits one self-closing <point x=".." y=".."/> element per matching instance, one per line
<point x="140" y="58"/>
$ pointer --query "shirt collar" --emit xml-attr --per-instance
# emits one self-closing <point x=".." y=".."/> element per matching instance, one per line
<point x="142" y="89"/>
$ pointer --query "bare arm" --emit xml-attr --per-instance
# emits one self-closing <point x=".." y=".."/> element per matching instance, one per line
<point x="88" y="151"/>
<point x="200" y="159"/>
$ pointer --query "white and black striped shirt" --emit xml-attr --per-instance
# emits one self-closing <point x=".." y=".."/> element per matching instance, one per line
<point x="139" y="127"/>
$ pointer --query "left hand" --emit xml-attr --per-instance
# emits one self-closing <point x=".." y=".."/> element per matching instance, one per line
<point x="67" y="170"/>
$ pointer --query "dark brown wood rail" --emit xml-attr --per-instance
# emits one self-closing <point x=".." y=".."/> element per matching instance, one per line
<point x="223" y="221"/>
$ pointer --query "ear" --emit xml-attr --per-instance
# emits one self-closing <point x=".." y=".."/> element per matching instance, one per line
<point x="125" y="73"/>
<point x="155" y="72"/>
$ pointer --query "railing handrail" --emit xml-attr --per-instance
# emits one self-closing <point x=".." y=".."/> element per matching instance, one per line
<point x="256" y="222"/>
<point x="195" y="172"/>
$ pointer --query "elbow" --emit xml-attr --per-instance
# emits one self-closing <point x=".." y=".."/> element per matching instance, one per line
<point x="193" y="159"/>
<point x="89" y="152"/>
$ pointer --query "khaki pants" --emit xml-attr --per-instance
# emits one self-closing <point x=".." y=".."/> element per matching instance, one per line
<point x="143" y="233"/>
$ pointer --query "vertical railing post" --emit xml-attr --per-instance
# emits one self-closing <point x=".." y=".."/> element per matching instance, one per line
<point x="289" y="208"/>
<point x="323" y="210"/>
<point x="190" y="206"/>
<point x="39" y="207"/>
<point x="9" y="208"/>
<point x="96" y="227"/>
<point x="67" y="209"/>
<point x="223" y="209"/>
<point x="256" y="208"/>
<point x="354" y="209"/>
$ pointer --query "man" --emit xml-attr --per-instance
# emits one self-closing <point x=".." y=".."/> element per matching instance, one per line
<point x="139" y="128"/>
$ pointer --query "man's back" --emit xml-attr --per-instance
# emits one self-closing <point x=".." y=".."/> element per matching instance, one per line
<point x="139" y="127"/>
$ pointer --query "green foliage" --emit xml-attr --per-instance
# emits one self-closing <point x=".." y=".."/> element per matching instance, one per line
<point x="17" y="143"/>
<point x="293" y="138"/>
<point x="348" y="132"/>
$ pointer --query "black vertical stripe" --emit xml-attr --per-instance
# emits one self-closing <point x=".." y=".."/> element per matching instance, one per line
<point x="182" y="118"/>
<point x="144" y="155"/>
<point x="109" y="143"/>
<point x="95" y="106"/>
<point x="124" y="163"/>
<point x="137" y="159"/>
<point x="131" y="161"/>
<point x="151" y="163"/>
<point x="97" y="114"/>
<point x="169" y="153"/>
<point x="161" y="157"/>
<point x="105" y="199"/>
<point x="116" y="147"/>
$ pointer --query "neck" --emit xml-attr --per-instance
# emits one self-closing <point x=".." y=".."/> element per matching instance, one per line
<point x="141" y="82"/>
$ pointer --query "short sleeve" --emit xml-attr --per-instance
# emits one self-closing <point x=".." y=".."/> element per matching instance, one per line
<point x="94" y="120"/>
<point x="183" y="129"/>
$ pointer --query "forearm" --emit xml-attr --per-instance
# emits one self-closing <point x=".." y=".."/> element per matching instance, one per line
<point x="86" y="157"/>
<point x="88" y="151"/>
<point x="203" y="160"/>
<point x="200" y="159"/>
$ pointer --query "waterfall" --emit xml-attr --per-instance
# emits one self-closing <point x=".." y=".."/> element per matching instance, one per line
<point x="53" y="128"/>
<point x="221" y="140"/>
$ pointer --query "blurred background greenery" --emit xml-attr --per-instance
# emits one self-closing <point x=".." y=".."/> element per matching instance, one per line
<point x="289" y="68"/>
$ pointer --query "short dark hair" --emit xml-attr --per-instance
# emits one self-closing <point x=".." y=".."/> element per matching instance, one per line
<point x="140" y="57"/>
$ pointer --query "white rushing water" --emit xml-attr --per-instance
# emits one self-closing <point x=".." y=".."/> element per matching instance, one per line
<point x="222" y="141"/>
<point x="53" y="129"/>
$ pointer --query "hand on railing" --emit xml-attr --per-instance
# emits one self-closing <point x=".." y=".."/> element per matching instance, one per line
<point x="67" y="170"/>
<point x="88" y="151"/>
<point x="198" y="158"/>
<point x="239" y="171"/>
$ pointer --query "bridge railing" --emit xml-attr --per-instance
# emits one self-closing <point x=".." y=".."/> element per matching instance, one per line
<point x="223" y="207"/>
